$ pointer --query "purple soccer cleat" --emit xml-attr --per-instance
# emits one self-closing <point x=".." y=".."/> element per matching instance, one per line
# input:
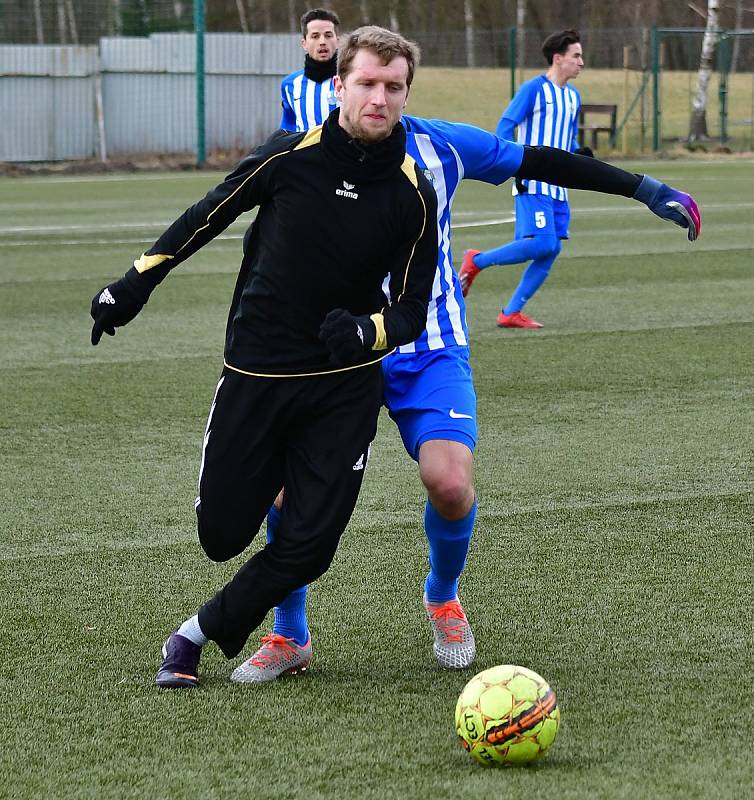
<point x="671" y="204"/>
<point x="180" y="665"/>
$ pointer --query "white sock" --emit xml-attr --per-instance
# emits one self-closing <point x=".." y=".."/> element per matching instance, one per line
<point x="191" y="631"/>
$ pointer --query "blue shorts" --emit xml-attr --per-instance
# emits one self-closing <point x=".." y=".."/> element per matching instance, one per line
<point x="430" y="395"/>
<point x="538" y="214"/>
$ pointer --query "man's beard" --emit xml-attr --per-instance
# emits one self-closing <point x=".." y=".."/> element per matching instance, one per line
<point x="370" y="136"/>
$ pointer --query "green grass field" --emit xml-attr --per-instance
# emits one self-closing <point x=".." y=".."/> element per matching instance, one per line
<point x="613" y="552"/>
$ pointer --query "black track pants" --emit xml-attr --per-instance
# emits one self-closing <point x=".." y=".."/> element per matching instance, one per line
<point x="309" y="434"/>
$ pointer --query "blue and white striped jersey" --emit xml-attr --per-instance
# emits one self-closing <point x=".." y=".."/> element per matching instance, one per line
<point x="306" y="103"/>
<point x="448" y="152"/>
<point x="544" y="114"/>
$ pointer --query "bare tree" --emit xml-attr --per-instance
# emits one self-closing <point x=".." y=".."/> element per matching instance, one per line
<point x="38" y="22"/>
<point x="698" y="124"/>
<point x="72" y="22"/>
<point x="116" y="21"/>
<point x="242" y="16"/>
<point x="267" y="11"/>
<point x="520" y="38"/>
<point x="394" y="15"/>
<point x="468" y="15"/>
<point x="293" y="17"/>
<point x="61" y="21"/>
<point x="364" y="9"/>
<point x="737" y="40"/>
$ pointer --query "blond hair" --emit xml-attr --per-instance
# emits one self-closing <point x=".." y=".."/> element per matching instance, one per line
<point x="386" y="44"/>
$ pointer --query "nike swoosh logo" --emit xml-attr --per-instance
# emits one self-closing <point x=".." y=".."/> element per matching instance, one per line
<point x="453" y="414"/>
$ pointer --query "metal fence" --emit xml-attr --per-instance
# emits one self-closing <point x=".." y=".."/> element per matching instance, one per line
<point x="138" y="95"/>
<point x="47" y="102"/>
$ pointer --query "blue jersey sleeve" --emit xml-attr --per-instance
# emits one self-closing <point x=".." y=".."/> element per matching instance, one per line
<point x="288" y="120"/>
<point x="483" y="156"/>
<point x="518" y="109"/>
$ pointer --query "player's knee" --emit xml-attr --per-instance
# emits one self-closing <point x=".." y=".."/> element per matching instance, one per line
<point x="451" y="493"/>
<point x="545" y="247"/>
<point x="221" y="537"/>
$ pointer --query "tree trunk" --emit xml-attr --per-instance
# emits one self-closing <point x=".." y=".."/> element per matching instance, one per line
<point x="116" y="22"/>
<point x="468" y="15"/>
<point x="364" y="8"/>
<point x="293" y="19"/>
<point x="61" y="21"/>
<point x="266" y="8"/>
<point x="520" y="40"/>
<point x="242" y="16"/>
<point x="394" y="26"/>
<point x="38" y="22"/>
<point x="698" y="125"/>
<point x="737" y="40"/>
<point x="72" y="22"/>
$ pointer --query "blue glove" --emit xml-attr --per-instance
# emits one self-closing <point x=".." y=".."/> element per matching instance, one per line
<point x="671" y="204"/>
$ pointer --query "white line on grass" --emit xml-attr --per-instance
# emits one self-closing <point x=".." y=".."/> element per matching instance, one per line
<point x="45" y="550"/>
<point x="141" y="176"/>
<point x="60" y="242"/>
<point x="97" y="228"/>
<point x="484" y="222"/>
<point x="238" y="224"/>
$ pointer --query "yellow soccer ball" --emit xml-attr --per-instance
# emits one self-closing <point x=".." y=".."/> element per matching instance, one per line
<point x="507" y="715"/>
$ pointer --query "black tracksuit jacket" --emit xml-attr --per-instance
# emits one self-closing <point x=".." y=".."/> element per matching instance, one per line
<point x="334" y="220"/>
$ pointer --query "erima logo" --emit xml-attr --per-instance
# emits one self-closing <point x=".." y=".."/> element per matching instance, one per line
<point x="429" y="176"/>
<point x="106" y="297"/>
<point x="361" y="333"/>
<point x="347" y="191"/>
<point x="453" y="414"/>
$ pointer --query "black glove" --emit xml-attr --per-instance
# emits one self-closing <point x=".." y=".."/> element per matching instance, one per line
<point x="118" y="303"/>
<point x="585" y="151"/>
<point x="346" y="336"/>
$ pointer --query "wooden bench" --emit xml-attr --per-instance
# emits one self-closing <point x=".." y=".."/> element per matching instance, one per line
<point x="596" y="129"/>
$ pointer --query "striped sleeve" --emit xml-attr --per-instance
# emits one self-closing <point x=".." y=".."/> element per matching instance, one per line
<point x="288" y="119"/>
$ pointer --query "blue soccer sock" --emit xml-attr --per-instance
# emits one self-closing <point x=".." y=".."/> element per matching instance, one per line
<point x="448" y="547"/>
<point x="290" y="615"/>
<point x="534" y="276"/>
<point x="516" y="252"/>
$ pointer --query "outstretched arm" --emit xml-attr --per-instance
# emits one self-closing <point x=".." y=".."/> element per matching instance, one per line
<point x="119" y="302"/>
<point x="580" y="172"/>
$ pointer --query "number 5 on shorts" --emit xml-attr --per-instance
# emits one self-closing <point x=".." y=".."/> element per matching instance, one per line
<point x="539" y="219"/>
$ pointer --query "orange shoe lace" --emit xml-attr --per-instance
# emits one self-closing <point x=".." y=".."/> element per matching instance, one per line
<point x="274" y="648"/>
<point x="452" y="610"/>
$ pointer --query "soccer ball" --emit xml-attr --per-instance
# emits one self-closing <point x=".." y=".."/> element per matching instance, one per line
<point x="507" y="715"/>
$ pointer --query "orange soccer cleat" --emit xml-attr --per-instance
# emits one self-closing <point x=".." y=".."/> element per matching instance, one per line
<point x="454" y="644"/>
<point x="277" y="656"/>
<point x="469" y="270"/>
<point x="516" y="320"/>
